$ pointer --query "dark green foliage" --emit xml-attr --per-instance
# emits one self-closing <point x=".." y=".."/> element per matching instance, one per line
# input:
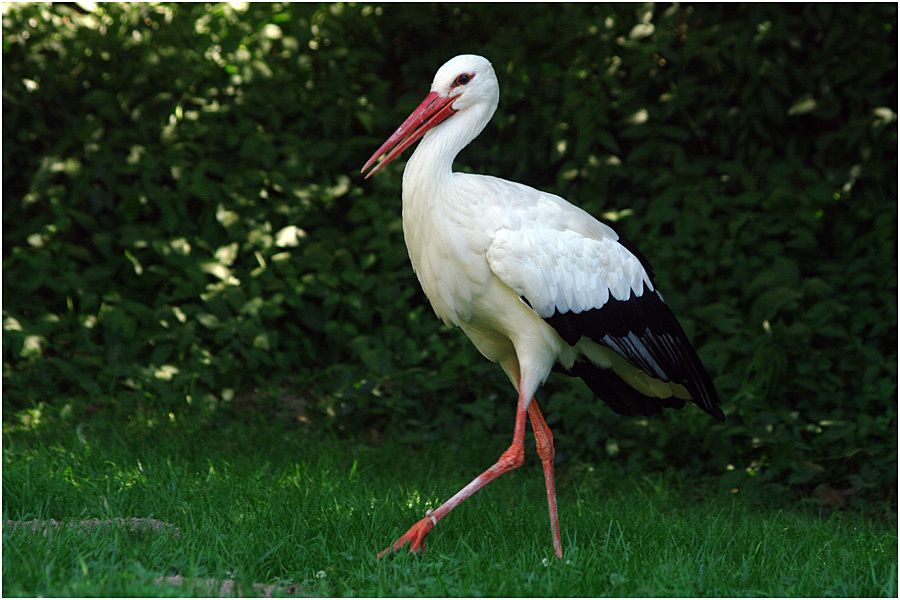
<point x="184" y="226"/>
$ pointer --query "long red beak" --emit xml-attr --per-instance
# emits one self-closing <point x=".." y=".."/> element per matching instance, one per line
<point x="433" y="110"/>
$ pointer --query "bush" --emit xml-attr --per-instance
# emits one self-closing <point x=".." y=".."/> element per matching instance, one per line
<point x="184" y="224"/>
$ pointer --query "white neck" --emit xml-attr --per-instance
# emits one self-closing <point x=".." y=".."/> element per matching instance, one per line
<point x="431" y="165"/>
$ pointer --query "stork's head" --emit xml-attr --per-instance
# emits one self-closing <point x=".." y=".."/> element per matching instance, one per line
<point x="468" y="78"/>
<point x="464" y="88"/>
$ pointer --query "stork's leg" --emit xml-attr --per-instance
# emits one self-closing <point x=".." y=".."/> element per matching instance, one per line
<point x="511" y="459"/>
<point x="543" y="439"/>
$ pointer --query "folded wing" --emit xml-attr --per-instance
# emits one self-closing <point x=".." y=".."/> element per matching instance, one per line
<point x="601" y="289"/>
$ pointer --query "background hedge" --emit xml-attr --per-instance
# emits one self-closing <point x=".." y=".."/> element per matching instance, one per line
<point x="185" y="227"/>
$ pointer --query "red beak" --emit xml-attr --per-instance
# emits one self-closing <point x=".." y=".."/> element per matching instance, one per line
<point x="433" y="110"/>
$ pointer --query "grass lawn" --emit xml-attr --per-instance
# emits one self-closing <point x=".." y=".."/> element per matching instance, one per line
<point x="262" y="504"/>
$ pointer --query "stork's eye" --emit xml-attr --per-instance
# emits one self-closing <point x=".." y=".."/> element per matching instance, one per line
<point x="462" y="79"/>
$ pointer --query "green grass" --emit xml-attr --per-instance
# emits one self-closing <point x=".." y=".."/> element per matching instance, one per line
<point x="256" y="503"/>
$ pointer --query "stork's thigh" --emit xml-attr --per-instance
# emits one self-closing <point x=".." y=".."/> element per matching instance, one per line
<point x="494" y="347"/>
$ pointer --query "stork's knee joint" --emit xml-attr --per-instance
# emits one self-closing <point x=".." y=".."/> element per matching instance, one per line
<point x="513" y="458"/>
<point x="546" y="452"/>
<point x="545" y="449"/>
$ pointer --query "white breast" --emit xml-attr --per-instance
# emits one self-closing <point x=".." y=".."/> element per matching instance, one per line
<point x="447" y="252"/>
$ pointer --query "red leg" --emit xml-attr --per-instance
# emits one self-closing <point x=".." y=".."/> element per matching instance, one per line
<point x="511" y="459"/>
<point x="543" y="439"/>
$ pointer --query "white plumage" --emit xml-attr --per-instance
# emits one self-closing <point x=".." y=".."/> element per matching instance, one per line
<point x="559" y="270"/>
<point x="532" y="280"/>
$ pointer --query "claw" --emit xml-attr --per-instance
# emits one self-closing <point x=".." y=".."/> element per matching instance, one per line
<point x="415" y="537"/>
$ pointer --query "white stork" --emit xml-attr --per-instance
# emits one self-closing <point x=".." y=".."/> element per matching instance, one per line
<point x="536" y="283"/>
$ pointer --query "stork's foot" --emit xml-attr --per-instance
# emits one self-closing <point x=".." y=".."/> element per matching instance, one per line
<point x="415" y="537"/>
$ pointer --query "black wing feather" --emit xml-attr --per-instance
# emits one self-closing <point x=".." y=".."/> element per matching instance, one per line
<point x="644" y="331"/>
<point x="621" y="397"/>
